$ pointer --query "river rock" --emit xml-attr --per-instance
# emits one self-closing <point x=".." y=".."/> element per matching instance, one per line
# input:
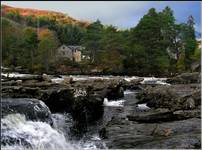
<point x="122" y="134"/>
<point x="85" y="110"/>
<point x="185" y="78"/>
<point x="173" y="97"/>
<point x="163" y="115"/>
<point x="46" y="78"/>
<point x="106" y="88"/>
<point x="84" y="106"/>
<point x="133" y="84"/>
<point x="67" y="80"/>
<point x="33" y="109"/>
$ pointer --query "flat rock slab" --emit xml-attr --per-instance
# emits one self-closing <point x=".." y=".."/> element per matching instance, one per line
<point x="123" y="134"/>
<point x="174" y="97"/>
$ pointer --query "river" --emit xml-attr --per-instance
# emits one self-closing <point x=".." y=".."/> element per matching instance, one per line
<point x="41" y="136"/>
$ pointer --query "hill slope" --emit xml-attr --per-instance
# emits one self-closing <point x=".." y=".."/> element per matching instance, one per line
<point x="60" y="17"/>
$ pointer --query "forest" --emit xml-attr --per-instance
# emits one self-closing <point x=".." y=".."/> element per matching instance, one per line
<point x="157" y="45"/>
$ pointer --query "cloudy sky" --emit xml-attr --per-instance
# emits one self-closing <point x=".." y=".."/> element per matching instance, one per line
<point x="122" y="14"/>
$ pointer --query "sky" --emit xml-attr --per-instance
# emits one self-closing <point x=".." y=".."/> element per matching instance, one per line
<point x="122" y="14"/>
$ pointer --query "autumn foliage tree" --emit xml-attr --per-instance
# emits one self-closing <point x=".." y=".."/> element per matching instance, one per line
<point x="157" y="45"/>
<point x="47" y="46"/>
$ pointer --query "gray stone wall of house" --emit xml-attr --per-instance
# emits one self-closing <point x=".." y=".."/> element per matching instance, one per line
<point x="64" y="52"/>
<point x="199" y="41"/>
<point x="71" y="52"/>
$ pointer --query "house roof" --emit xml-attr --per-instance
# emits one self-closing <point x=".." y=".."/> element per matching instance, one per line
<point x="73" y="47"/>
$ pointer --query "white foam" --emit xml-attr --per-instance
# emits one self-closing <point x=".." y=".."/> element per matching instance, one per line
<point x="40" y="135"/>
<point x="15" y="74"/>
<point x="130" y="78"/>
<point x="57" y="80"/>
<point x="163" y="83"/>
<point x="128" y="92"/>
<point x="143" y="107"/>
<point x="4" y="67"/>
<point x="153" y="80"/>
<point x="117" y="103"/>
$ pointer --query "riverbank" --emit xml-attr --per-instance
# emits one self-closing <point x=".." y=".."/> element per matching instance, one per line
<point x="107" y="110"/>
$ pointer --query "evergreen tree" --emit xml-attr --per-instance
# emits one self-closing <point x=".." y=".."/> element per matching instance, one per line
<point x="92" y="38"/>
<point x="47" y="46"/>
<point x="30" y="45"/>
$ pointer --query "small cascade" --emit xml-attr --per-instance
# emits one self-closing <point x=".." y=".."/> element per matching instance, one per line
<point x="19" y="133"/>
<point x="116" y="103"/>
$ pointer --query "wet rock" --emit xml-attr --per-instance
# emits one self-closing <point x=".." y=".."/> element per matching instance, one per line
<point x="123" y="134"/>
<point x="184" y="114"/>
<point x="33" y="109"/>
<point x="67" y="80"/>
<point x="133" y="84"/>
<point x="85" y="110"/>
<point x="186" y="78"/>
<point x="84" y="106"/>
<point x="164" y="115"/>
<point x="11" y="83"/>
<point x="9" y="140"/>
<point x="58" y="99"/>
<point x="46" y="78"/>
<point x="157" y="115"/>
<point x="106" y="88"/>
<point x="173" y="97"/>
<point x="115" y="92"/>
<point x="19" y="92"/>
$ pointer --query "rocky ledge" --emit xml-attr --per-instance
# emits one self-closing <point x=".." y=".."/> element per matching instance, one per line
<point x="171" y="118"/>
<point x="83" y="99"/>
<point x="124" y="134"/>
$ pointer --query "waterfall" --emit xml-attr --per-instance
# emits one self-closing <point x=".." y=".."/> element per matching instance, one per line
<point x="18" y="133"/>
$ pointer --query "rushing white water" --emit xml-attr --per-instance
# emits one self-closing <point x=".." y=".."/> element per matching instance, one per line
<point x="130" y="78"/>
<point x="38" y="135"/>
<point x="128" y="92"/>
<point x="117" y="103"/>
<point x="57" y="80"/>
<point x="90" y="144"/>
<point x="62" y="122"/>
<point x="143" y="107"/>
<point x="147" y="80"/>
<point x="15" y="74"/>
<point x="153" y="80"/>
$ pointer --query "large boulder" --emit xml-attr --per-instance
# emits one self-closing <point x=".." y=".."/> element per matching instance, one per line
<point x="33" y="109"/>
<point x="122" y="134"/>
<point x="46" y="77"/>
<point x="105" y="88"/>
<point x="85" y="110"/>
<point x="173" y="97"/>
<point x="185" y="78"/>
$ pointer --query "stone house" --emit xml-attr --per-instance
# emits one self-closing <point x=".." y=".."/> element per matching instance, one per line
<point x="199" y="41"/>
<point x="71" y="52"/>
